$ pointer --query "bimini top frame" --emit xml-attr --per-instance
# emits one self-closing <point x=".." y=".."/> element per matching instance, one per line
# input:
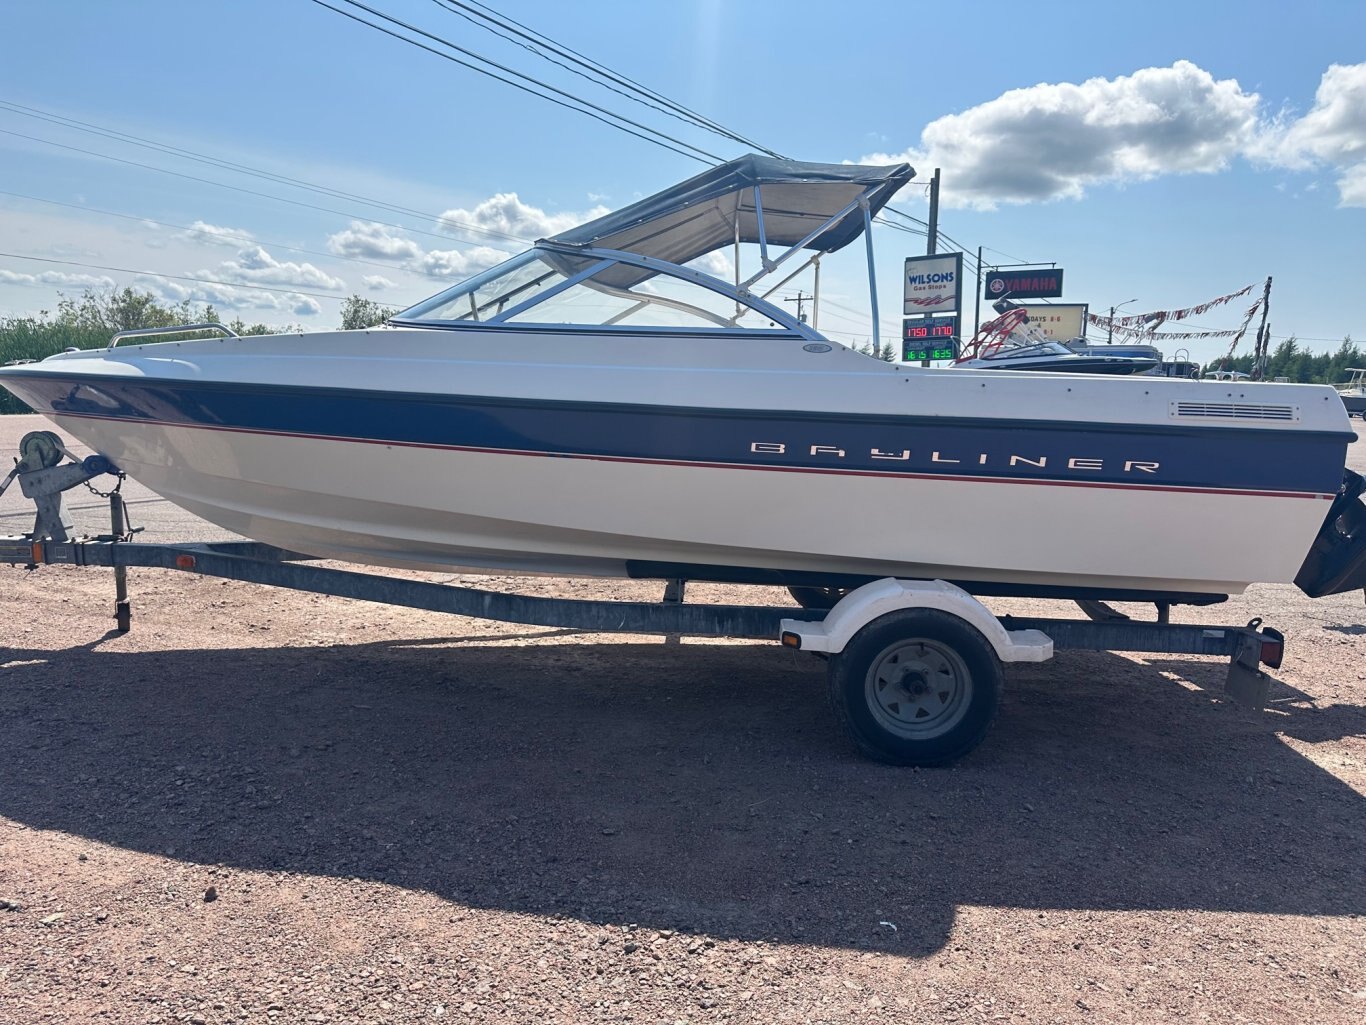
<point x="761" y="200"/>
<point x="754" y="199"/>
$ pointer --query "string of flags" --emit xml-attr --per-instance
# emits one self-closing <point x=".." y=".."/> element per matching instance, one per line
<point x="1147" y="333"/>
<point x="1143" y="326"/>
<point x="1155" y="319"/>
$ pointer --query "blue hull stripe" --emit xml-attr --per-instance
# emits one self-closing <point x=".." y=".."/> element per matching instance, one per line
<point x="1180" y="457"/>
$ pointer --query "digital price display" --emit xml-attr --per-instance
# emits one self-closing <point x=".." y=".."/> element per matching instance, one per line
<point x="932" y="338"/>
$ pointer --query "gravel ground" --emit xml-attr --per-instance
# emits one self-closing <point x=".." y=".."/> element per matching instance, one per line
<point x="274" y="807"/>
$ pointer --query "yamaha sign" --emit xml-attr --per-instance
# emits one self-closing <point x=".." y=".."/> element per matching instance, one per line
<point x="932" y="283"/>
<point x="1044" y="283"/>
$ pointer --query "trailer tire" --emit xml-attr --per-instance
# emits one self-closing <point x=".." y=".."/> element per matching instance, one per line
<point x="916" y="687"/>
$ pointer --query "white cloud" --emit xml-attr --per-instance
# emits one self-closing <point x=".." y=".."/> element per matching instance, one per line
<point x="255" y="266"/>
<point x="226" y="297"/>
<point x="506" y="215"/>
<point x="484" y="227"/>
<point x="376" y="282"/>
<point x="1334" y="130"/>
<point x="717" y="263"/>
<point x="1052" y="141"/>
<point x="1332" y="133"/>
<point x="55" y="277"/>
<point x="1352" y="186"/>
<point x="202" y="231"/>
<point x="372" y="241"/>
<point x="458" y="263"/>
<point x="377" y="242"/>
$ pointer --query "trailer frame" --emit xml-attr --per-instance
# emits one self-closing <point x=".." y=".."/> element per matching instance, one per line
<point x="827" y="632"/>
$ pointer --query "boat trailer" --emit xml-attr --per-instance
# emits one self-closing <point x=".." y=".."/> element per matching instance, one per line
<point x="914" y="666"/>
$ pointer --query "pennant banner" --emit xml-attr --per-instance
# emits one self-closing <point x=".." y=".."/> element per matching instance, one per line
<point x="1266" y="298"/>
<point x="1148" y="334"/>
<point x="1158" y="317"/>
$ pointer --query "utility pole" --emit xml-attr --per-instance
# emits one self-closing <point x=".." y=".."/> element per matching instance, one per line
<point x="801" y="315"/>
<point x="977" y="297"/>
<point x="932" y="244"/>
<point x="932" y="235"/>
<point x="1110" y="338"/>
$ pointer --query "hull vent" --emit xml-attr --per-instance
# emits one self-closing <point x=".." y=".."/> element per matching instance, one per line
<point x="1242" y="411"/>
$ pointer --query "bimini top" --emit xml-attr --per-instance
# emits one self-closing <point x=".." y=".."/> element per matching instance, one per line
<point x="760" y="199"/>
<point x="626" y="271"/>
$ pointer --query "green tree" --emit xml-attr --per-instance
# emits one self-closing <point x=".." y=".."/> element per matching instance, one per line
<point x="125" y="310"/>
<point x="1285" y="359"/>
<point x="1346" y="356"/>
<point x="884" y="352"/>
<point x="359" y="313"/>
<point x="240" y="327"/>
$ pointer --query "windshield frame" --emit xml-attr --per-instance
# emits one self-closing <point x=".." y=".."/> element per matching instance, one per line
<point x="601" y="260"/>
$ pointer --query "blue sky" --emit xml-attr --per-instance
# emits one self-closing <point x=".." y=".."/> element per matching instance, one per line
<point x="1166" y="153"/>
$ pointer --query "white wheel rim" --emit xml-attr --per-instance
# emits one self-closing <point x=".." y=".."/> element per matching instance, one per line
<point x="918" y="689"/>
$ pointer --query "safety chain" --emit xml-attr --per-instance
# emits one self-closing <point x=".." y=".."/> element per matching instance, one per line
<point x="107" y="494"/>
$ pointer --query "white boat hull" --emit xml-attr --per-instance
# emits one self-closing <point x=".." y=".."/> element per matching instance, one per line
<point x="578" y="454"/>
<point x="437" y="509"/>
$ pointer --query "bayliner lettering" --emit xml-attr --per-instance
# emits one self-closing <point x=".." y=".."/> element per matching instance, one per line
<point x="1078" y="465"/>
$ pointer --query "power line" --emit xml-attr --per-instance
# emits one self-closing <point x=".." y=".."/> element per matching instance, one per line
<point x="238" y="188"/>
<point x="625" y="80"/>
<point x="185" y="277"/>
<point x="1017" y="259"/>
<point x="200" y="231"/>
<point x="900" y="227"/>
<point x="966" y="250"/>
<point x="888" y="208"/>
<point x="704" y="155"/>
<point x="494" y="21"/>
<point x="488" y="26"/>
<point x="229" y="165"/>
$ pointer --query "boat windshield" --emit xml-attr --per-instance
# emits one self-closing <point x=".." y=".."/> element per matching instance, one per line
<point x="1030" y="349"/>
<point x="553" y="287"/>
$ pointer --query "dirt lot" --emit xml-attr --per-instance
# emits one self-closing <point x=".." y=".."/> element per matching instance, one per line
<point x="272" y="807"/>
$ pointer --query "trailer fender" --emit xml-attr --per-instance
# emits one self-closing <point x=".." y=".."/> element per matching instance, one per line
<point x="865" y="604"/>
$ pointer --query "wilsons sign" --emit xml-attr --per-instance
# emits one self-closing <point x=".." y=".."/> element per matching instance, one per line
<point x="1023" y="284"/>
<point x="932" y="283"/>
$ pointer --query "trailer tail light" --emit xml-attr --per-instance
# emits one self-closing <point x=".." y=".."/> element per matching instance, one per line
<point x="184" y="562"/>
<point x="1273" y="647"/>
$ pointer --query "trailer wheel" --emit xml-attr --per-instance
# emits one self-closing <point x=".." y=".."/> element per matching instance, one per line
<point x="916" y="687"/>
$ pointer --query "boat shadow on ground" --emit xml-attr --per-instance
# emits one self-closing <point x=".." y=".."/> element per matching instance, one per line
<point x="694" y="787"/>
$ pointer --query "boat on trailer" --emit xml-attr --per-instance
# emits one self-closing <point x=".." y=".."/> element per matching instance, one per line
<point x="598" y="406"/>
